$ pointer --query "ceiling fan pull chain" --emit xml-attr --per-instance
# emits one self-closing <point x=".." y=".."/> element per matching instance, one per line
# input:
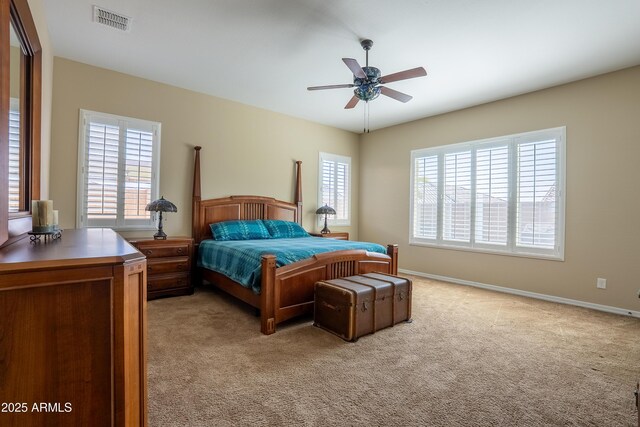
<point x="364" y="118"/>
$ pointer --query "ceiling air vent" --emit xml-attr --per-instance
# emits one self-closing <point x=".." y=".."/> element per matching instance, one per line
<point x="111" y="19"/>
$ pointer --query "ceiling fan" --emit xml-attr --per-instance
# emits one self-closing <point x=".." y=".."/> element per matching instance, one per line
<point x="367" y="80"/>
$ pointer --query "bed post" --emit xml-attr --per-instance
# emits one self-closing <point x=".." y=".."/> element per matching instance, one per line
<point x="392" y="251"/>
<point x="267" y="295"/>
<point x="195" y="212"/>
<point x="298" y="196"/>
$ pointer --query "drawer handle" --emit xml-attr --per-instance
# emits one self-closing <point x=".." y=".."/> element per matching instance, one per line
<point x="148" y="252"/>
<point x="149" y="268"/>
<point x="181" y="266"/>
<point x="180" y="250"/>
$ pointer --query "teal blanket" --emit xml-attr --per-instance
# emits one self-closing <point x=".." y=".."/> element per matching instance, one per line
<point x="240" y="260"/>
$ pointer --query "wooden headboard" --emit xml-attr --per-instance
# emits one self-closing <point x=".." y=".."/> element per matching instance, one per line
<point x="208" y="211"/>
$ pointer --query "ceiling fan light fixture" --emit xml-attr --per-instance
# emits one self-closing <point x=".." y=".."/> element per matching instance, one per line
<point x="367" y="92"/>
<point x="367" y="89"/>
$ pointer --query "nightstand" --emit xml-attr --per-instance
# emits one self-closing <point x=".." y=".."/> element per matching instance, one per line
<point x="337" y="235"/>
<point x="169" y="264"/>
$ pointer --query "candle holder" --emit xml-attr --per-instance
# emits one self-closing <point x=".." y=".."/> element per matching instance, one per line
<point x="45" y="236"/>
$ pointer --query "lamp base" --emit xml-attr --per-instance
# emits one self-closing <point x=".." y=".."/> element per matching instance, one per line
<point x="160" y="235"/>
<point x="325" y="230"/>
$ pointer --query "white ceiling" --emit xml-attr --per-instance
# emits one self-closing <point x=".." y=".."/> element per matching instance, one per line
<point x="266" y="52"/>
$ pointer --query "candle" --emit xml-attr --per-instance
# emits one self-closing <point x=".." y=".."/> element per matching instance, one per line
<point x="42" y="215"/>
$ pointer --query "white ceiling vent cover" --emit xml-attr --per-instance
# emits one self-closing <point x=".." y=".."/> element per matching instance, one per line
<point x="111" y="19"/>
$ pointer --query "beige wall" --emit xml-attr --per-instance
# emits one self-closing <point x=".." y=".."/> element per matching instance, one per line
<point x="602" y="116"/>
<point x="246" y="150"/>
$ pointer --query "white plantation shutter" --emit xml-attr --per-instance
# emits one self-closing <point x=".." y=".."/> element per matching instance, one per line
<point x="501" y="195"/>
<point x="14" y="156"/>
<point x="118" y="170"/>
<point x="101" y="171"/>
<point x="492" y="195"/>
<point x="425" y="196"/>
<point x="138" y="173"/>
<point x="457" y="197"/>
<point x="536" y="206"/>
<point x="335" y="187"/>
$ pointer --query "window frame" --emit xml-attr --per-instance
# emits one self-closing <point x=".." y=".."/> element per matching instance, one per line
<point x="121" y="224"/>
<point x="510" y="248"/>
<point x="332" y="219"/>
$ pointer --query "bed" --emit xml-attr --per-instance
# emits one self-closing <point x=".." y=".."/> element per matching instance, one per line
<point x="285" y="292"/>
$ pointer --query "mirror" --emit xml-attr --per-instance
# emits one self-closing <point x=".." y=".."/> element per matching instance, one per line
<point x="16" y="194"/>
<point x="20" y="118"/>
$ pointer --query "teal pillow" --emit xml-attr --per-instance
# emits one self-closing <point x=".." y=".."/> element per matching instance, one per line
<point x="239" y="230"/>
<point x="279" y="229"/>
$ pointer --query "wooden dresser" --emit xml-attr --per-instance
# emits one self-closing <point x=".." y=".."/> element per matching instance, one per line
<point x="73" y="331"/>
<point x="169" y="265"/>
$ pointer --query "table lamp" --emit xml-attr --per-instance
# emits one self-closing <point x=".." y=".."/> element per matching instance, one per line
<point x="161" y="205"/>
<point x="326" y="210"/>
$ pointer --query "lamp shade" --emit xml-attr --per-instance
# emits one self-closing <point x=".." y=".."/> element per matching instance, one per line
<point x="161" y="205"/>
<point x="326" y="210"/>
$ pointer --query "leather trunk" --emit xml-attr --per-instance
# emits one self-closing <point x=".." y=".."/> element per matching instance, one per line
<point x="353" y="306"/>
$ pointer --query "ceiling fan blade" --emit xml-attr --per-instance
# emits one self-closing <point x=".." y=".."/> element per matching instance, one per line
<point x="403" y="75"/>
<point x="352" y="102"/>
<point x="399" y="96"/>
<point x="330" y="87"/>
<point x="355" y="68"/>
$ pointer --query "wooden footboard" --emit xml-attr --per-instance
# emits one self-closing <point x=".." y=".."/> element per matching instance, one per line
<point x="287" y="292"/>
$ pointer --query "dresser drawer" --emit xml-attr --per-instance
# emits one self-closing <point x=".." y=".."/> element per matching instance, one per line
<point x="167" y="265"/>
<point x="171" y="250"/>
<point x="168" y="281"/>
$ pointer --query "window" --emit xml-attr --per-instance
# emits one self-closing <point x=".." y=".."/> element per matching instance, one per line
<point x="503" y="195"/>
<point x="118" y="170"/>
<point x="335" y="187"/>
<point x="14" y="155"/>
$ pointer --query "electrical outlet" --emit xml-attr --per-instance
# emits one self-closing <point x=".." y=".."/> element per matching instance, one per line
<point x="601" y="283"/>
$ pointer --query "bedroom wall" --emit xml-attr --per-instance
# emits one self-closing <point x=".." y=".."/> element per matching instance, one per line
<point x="602" y="116"/>
<point x="246" y="150"/>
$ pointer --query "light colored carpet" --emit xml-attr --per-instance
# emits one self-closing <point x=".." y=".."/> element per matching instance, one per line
<point x="470" y="358"/>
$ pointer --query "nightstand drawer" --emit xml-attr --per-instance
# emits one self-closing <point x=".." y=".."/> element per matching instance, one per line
<point x="168" y="281"/>
<point x="173" y="250"/>
<point x="167" y="265"/>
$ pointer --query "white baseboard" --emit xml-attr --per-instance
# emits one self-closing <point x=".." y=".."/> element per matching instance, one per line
<point x="600" y="307"/>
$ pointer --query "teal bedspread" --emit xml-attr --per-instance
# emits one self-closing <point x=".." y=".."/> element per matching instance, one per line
<point x="240" y="260"/>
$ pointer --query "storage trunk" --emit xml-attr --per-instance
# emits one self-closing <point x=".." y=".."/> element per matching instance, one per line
<point x="353" y="306"/>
